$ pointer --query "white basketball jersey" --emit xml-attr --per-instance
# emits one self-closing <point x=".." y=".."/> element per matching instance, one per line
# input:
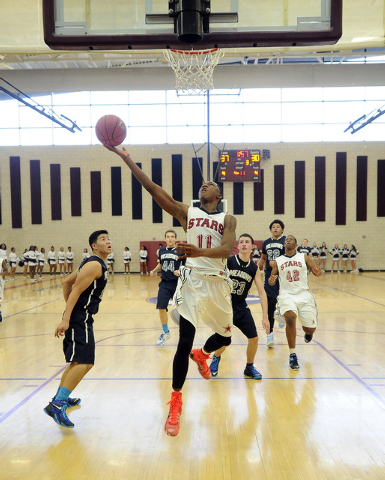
<point x="205" y="230"/>
<point x="292" y="273"/>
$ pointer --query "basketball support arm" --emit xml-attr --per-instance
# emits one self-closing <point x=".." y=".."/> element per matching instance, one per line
<point x="61" y="120"/>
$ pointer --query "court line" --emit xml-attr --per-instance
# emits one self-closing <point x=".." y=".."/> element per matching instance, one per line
<point x="32" y="394"/>
<point x="153" y="379"/>
<point x="345" y="367"/>
<point x="348" y="293"/>
<point x="32" y="308"/>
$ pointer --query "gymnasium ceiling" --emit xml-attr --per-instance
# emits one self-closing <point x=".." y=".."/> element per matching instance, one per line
<point x="22" y="45"/>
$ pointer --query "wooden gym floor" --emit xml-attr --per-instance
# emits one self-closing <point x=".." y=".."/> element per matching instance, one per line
<point x="326" y="421"/>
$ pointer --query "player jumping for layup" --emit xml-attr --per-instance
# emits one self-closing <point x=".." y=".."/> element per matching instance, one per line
<point x="204" y="287"/>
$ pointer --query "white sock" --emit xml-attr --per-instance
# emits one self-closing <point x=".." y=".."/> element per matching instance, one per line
<point x="292" y="350"/>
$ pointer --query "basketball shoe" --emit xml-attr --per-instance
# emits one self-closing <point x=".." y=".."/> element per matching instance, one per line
<point x="252" y="372"/>
<point x="308" y="337"/>
<point x="72" y="402"/>
<point x="200" y="359"/>
<point x="163" y="338"/>
<point x="173" y="420"/>
<point x="57" y="410"/>
<point x="293" y="362"/>
<point x="214" y="365"/>
<point x="270" y="340"/>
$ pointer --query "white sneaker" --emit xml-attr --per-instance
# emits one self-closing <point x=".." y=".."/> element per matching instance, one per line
<point x="270" y="340"/>
<point x="163" y="338"/>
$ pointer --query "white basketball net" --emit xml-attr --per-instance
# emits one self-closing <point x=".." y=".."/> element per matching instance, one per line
<point x="194" y="69"/>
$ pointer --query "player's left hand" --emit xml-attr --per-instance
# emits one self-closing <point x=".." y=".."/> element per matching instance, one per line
<point x="185" y="250"/>
<point x="176" y="273"/>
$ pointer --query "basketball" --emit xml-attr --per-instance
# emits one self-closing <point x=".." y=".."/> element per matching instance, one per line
<point x="110" y="130"/>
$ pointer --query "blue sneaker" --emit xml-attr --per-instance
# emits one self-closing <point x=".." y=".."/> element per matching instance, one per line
<point x="214" y="365"/>
<point x="252" y="372"/>
<point x="293" y="362"/>
<point x="270" y="340"/>
<point x="72" y="402"/>
<point x="57" y="410"/>
<point x="164" y="336"/>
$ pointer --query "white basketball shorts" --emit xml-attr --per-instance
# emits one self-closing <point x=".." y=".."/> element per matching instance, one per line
<point x="204" y="297"/>
<point x="303" y="304"/>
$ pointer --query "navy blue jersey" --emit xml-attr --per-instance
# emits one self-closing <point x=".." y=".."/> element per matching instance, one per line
<point x="242" y="274"/>
<point x="315" y="251"/>
<point x="353" y="254"/>
<point x="91" y="297"/>
<point x="169" y="262"/>
<point x="305" y="250"/>
<point x="272" y="249"/>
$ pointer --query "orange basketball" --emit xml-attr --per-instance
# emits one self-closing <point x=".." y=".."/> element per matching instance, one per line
<point x="110" y="130"/>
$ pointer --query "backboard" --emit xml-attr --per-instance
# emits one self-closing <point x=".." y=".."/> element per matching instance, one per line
<point x="185" y="24"/>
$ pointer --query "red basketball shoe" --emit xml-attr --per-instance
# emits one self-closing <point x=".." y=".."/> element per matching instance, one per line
<point x="172" y="423"/>
<point x="200" y="359"/>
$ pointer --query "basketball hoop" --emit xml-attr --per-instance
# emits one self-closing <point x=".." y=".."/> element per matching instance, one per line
<point x="194" y="68"/>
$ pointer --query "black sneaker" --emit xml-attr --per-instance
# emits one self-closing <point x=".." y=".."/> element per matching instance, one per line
<point x="293" y="361"/>
<point x="57" y="410"/>
<point x="308" y="337"/>
<point x="1" y="317"/>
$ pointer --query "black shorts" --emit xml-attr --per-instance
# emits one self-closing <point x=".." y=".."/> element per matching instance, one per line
<point x="165" y="293"/>
<point x="79" y="340"/>
<point x="243" y="319"/>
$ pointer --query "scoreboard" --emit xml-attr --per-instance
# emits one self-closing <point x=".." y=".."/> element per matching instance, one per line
<point x="239" y="166"/>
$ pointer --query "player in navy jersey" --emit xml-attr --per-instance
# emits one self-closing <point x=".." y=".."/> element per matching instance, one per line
<point x="83" y="290"/>
<point x="204" y="288"/>
<point x="272" y="248"/>
<point x="304" y="248"/>
<point x="168" y="265"/>
<point x="243" y="272"/>
<point x="294" y="298"/>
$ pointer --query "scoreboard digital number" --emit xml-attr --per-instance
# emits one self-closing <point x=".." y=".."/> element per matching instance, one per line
<point x="239" y="166"/>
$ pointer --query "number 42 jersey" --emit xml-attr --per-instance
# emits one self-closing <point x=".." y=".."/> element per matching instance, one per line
<point x="292" y="274"/>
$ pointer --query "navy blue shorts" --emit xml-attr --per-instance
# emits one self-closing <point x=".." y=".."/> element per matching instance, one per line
<point x="243" y="319"/>
<point x="165" y="293"/>
<point x="79" y="340"/>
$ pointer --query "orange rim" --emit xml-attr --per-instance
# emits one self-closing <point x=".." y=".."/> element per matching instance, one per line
<point x="194" y="52"/>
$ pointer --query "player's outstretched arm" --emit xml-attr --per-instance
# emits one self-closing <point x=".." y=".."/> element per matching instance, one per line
<point x="89" y="272"/>
<point x="162" y="198"/>
<point x="310" y="265"/>
<point x="263" y="298"/>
